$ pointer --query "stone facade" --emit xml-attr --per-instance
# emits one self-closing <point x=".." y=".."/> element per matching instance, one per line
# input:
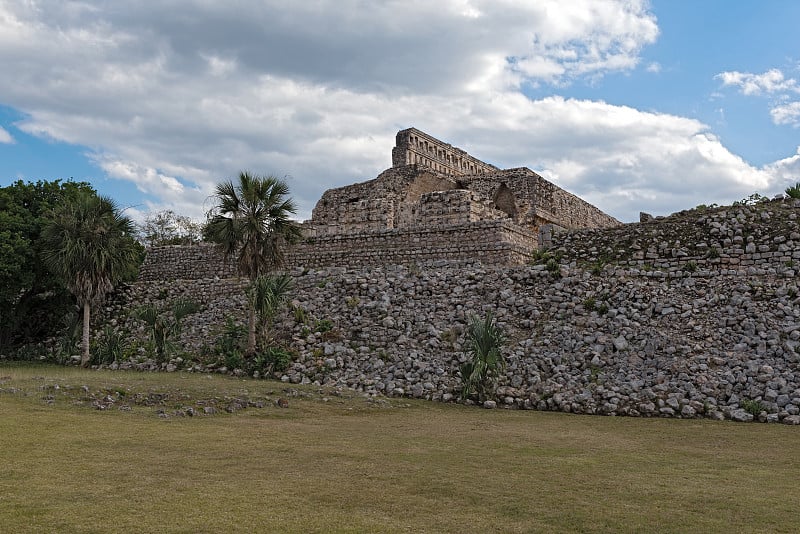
<point x="434" y="185"/>
<point x="413" y="147"/>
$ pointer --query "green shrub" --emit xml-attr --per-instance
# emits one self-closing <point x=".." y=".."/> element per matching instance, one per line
<point x="754" y="407"/>
<point x="229" y="345"/>
<point x="165" y="325"/>
<point x="272" y="360"/>
<point x="111" y="347"/>
<point x="484" y="341"/>
<point x="323" y="325"/>
<point x="590" y="304"/>
<point x="300" y="315"/>
<point x="793" y="191"/>
<point x="690" y="266"/>
<point x="553" y="267"/>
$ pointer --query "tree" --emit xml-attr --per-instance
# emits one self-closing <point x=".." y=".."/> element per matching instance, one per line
<point x="479" y="374"/>
<point x="32" y="302"/>
<point x="266" y="295"/>
<point x="251" y="221"/>
<point x="168" y="228"/>
<point x="89" y="245"/>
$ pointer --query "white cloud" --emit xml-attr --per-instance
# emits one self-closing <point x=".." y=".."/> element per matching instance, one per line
<point x="772" y="81"/>
<point x="654" y="67"/>
<point x="786" y="172"/>
<point x="786" y="114"/>
<point x="5" y="137"/>
<point x="176" y="96"/>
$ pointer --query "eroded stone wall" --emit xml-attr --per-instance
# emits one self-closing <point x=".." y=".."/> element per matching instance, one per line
<point x="532" y="201"/>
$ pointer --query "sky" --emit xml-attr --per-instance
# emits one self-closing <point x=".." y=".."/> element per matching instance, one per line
<point x="633" y="105"/>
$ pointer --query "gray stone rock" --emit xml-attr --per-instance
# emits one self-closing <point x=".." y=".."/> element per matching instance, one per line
<point x="791" y="420"/>
<point x="741" y="416"/>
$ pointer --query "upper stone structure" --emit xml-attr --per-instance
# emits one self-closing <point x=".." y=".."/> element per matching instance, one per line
<point x="415" y="147"/>
<point x="434" y="184"/>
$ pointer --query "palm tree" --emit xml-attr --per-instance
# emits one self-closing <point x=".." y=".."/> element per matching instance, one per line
<point x="89" y="245"/>
<point x="266" y="295"/>
<point x="251" y="222"/>
<point x="480" y="373"/>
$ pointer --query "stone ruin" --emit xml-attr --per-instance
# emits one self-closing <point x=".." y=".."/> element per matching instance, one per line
<point x="438" y="202"/>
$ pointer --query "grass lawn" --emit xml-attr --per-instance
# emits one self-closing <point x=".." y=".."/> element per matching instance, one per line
<point x="331" y="463"/>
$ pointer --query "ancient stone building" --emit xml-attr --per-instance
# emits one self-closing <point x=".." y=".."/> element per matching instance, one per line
<point x="438" y="202"/>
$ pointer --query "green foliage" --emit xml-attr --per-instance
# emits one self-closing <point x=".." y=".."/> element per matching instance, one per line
<point x="168" y="228"/>
<point x="690" y="266"/>
<point x="597" y="268"/>
<point x="483" y="343"/>
<point x="68" y="342"/>
<point x="229" y="344"/>
<point x="165" y="325"/>
<point x="32" y="301"/>
<point x="793" y="191"/>
<point x="88" y="244"/>
<point x="713" y="253"/>
<point x="300" y="315"/>
<point x="590" y="304"/>
<point x="753" y="407"/>
<point x="266" y="294"/>
<point x="323" y="325"/>
<point x="272" y="360"/>
<point x="251" y="222"/>
<point x="111" y="346"/>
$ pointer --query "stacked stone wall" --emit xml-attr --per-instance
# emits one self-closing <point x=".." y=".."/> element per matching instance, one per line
<point x="761" y="238"/>
<point x="492" y="242"/>
<point x="619" y="342"/>
<point x="185" y="262"/>
<point x="603" y="334"/>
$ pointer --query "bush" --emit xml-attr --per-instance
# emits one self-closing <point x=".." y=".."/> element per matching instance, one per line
<point x="272" y="360"/>
<point x="753" y="407"/>
<point x="229" y="346"/>
<point x="793" y="191"/>
<point x="111" y="347"/>
<point x="480" y="373"/>
<point x="165" y="325"/>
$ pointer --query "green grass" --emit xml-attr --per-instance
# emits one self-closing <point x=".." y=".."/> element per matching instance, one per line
<point x="343" y="464"/>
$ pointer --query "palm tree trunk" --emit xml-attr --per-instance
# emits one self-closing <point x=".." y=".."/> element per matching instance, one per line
<point x="85" y="340"/>
<point x="251" y="331"/>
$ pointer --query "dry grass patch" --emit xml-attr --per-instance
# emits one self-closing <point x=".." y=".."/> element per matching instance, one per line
<point x="343" y="464"/>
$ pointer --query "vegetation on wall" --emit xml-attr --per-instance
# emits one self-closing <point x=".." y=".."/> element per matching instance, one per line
<point x="479" y="374"/>
<point x="251" y="222"/>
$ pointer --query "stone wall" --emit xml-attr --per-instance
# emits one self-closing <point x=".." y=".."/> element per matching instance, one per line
<point x="627" y="326"/>
<point x="761" y="238"/>
<point x="360" y="207"/>
<point x="532" y="201"/>
<point x="414" y="147"/>
<point x="185" y="262"/>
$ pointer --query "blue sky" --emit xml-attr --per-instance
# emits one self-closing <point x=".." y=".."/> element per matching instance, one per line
<point x="636" y="106"/>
